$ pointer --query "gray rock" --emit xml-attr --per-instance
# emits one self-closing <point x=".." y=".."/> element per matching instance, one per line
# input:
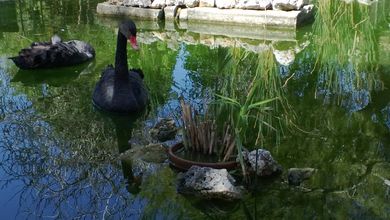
<point x="158" y="4"/>
<point x="209" y="183"/>
<point x="207" y="3"/>
<point x="296" y="176"/>
<point x="264" y="165"/>
<point x="288" y="5"/>
<point x="180" y="3"/>
<point x="254" y="4"/>
<point x="225" y="4"/>
<point x="115" y="2"/>
<point x="170" y="2"/>
<point x="145" y="160"/>
<point x="164" y="130"/>
<point x="138" y="3"/>
<point x="191" y="3"/>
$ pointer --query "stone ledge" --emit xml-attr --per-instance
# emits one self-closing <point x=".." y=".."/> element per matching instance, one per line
<point x="250" y="17"/>
<point x="285" y="19"/>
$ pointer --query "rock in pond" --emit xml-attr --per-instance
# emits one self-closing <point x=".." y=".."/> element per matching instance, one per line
<point x="209" y="183"/>
<point x="164" y="130"/>
<point x="296" y="176"/>
<point x="262" y="164"/>
<point x="145" y="160"/>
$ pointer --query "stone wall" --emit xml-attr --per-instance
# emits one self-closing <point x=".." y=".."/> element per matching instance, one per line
<point x="276" y="13"/>
<point x="284" y="5"/>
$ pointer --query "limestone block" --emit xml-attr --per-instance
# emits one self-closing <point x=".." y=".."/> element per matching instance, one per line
<point x="183" y="15"/>
<point x="207" y="3"/>
<point x="158" y="4"/>
<point x="170" y="2"/>
<point x="107" y="9"/>
<point x="288" y="5"/>
<point x="180" y="3"/>
<point x="254" y="4"/>
<point x="225" y="4"/>
<point x="170" y="12"/>
<point x="138" y="3"/>
<point x="115" y="2"/>
<point x="191" y="3"/>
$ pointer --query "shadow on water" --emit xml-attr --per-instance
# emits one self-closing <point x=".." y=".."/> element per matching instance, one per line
<point x="54" y="77"/>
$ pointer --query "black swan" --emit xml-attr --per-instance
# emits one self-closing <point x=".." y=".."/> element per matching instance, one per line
<point x="119" y="89"/>
<point x="54" y="54"/>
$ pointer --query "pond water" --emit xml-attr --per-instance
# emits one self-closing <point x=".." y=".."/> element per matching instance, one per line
<point x="59" y="156"/>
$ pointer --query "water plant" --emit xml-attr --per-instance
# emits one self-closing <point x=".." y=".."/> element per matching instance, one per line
<point x="201" y="133"/>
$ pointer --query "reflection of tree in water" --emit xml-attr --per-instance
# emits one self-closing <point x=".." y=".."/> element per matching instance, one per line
<point x="66" y="172"/>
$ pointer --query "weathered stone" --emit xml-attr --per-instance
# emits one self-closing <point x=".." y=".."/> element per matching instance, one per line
<point x="138" y="3"/>
<point x="164" y="130"/>
<point x="253" y="17"/>
<point x="209" y="183"/>
<point x="158" y="4"/>
<point x="145" y="160"/>
<point x="296" y="176"/>
<point x="115" y="2"/>
<point x="170" y="2"/>
<point x="170" y="12"/>
<point x="107" y="9"/>
<point x="288" y="5"/>
<point x="225" y="4"/>
<point x="180" y="3"/>
<point x="207" y="3"/>
<point x="183" y="14"/>
<point x="254" y="4"/>
<point x="262" y="164"/>
<point x="191" y="3"/>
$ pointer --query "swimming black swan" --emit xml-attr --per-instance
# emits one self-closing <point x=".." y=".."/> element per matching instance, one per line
<point x="120" y="90"/>
<point x="54" y="54"/>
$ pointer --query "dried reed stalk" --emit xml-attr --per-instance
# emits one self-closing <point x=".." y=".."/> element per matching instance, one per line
<point x="202" y="136"/>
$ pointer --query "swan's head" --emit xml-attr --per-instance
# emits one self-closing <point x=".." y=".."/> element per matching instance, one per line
<point x="129" y="30"/>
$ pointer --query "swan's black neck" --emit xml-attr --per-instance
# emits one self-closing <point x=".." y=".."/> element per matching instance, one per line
<point x="121" y="66"/>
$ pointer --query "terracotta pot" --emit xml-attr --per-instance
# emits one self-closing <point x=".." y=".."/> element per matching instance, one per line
<point x="184" y="164"/>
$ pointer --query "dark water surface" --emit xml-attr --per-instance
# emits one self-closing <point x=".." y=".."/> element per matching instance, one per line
<point x="59" y="156"/>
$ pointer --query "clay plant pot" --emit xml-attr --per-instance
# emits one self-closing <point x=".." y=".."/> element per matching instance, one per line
<point x="184" y="164"/>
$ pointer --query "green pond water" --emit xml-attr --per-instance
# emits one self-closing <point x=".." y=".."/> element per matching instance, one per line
<point x="59" y="156"/>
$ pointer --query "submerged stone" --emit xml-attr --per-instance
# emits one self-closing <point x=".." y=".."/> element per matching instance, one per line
<point x="296" y="176"/>
<point x="208" y="183"/>
<point x="145" y="160"/>
<point x="164" y="130"/>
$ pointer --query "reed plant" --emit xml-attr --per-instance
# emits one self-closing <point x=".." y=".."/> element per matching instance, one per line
<point x="253" y="96"/>
<point x="346" y="41"/>
<point x="201" y="133"/>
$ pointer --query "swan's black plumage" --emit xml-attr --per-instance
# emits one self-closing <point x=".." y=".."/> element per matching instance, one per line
<point x="119" y="89"/>
<point x="54" y="54"/>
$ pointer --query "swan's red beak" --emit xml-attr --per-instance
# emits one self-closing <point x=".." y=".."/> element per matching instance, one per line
<point x="133" y="42"/>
